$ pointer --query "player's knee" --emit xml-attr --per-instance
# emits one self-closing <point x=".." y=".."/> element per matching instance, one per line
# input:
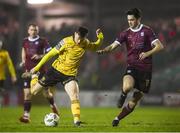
<point x="72" y="90"/>
<point x="47" y="94"/>
<point x="34" y="81"/>
<point x="27" y="95"/>
<point x="74" y="96"/>
<point x="37" y="88"/>
<point x="137" y="95"/>
<point x="132" y="104"/>
<point x="127" y="87"/>
<point x="33" y="92"/>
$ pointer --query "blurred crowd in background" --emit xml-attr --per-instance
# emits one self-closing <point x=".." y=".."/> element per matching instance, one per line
<point x="104" y="72"/>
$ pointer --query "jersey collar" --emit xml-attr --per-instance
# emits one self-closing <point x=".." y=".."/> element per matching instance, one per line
<point x="136" y="30"/>
<point x="33" y="39"/>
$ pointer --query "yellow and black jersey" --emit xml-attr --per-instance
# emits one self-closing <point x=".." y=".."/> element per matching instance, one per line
<point x="5" y="61"/>
<point x="70" y="55"/>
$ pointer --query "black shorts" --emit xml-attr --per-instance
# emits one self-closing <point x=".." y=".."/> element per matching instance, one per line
<point x="142" y="79"/>
<point x="1" y="85"/>
<point x="52" y="77"/>
<point x="27" y="81"/>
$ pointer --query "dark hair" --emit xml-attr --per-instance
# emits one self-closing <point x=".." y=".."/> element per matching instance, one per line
<point x="32" y="24"/>
<point x="83" y="31"/>
<point x="134" y="11"/>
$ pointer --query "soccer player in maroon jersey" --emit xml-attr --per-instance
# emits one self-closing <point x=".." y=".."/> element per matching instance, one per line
<point x="34" y="48"/>
<point x="141" y="43"/>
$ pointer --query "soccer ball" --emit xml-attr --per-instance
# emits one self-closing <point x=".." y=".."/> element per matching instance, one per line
<point x="51" y="119"/>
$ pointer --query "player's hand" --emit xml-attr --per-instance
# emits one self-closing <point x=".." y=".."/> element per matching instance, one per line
<point x="22" y="64"/>
<point x="26" y="74"/>
<point x="100" y="51"/>
<point x="33" y="71"/>
<point x="99" y="34"/>
<point x="13" y="79"/>
<point x="143" y="55"/>
<point x="36" y="57"/>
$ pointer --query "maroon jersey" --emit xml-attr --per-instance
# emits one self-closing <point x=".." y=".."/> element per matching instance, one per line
<point x="138" y="41"/>
<point x="34" y="46"/>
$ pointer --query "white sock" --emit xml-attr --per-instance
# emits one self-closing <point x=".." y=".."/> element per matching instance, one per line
<point x="116" y="118"/>
<point x="26" y="114"/>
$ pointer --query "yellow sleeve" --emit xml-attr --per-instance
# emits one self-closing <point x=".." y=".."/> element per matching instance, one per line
<point x="10" y="66"/>
<point x="46" y="57"/>
<point x="94" y="45"/>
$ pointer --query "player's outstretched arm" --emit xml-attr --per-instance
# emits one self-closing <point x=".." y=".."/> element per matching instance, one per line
<point x="109" y="48"/>
<point x="47" y="56"/>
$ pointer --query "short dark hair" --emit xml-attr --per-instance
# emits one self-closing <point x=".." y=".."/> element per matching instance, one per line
<point x="134" y="11"/>
<point x="32" y="24"/>
<point x="83" y="31"/>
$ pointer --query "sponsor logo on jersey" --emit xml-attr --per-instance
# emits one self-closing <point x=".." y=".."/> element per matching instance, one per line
<point x="25" y="84"/>
<point x="128" y="71"/>
<point x="36" y="42"/>
<point x="142" y="33"/>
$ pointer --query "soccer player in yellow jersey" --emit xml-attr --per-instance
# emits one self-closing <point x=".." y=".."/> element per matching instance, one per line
<point x="5" y="61"/>
<point x="65" y="68"/>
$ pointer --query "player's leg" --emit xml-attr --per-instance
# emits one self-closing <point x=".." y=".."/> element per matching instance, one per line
<point x="50" y="78"/>
<point x="128" y="84"/>
<point x="72" y="90"/>
<point x="34" y="80"/>
<point x="129" y="108"/>
<point x="25" y="118"/>
<point x="36" y="88"/>
<point x="49" y="95"/>
<point x="2" y="92"/>
<point x="35" y="85"/>
<point x="1" y="97"/>
<point x="27" y="106"/>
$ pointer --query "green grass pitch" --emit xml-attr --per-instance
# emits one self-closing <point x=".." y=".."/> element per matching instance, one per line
<point x="143" y="119"/>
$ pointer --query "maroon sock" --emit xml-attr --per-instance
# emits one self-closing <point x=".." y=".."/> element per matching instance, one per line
<point x="27" y="105"/>
<point x="125" y="111"/>
<point x="53" y="105"/>
<point x="51" y="100"/>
